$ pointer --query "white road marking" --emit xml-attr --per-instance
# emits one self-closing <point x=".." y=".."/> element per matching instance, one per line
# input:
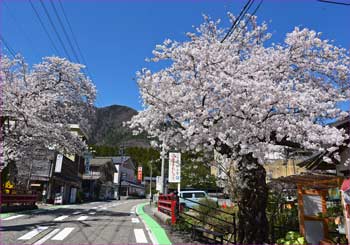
<point x="92" y="213"/>
<point x="77" y="213"/>
<point x="135" y="220"/>
<point x="63" y="234"/>
<point x="61" y="218"/>
<point x="33" y="233"/>
<point x="140" y="236"/>
<point x="82" y="217"/>
<point x="47" y="237"/>
<point x="14" y="217"/>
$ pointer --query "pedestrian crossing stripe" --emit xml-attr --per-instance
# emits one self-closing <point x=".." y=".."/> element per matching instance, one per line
<point x="56" y="234"/>
<point x="47" y="237"/>
<point x="61" y="218"/>
<point x="33" y="233"/>
<point x="14" y="217"/>
<point x="63" y="234"/>
<point x="140" y="236"/>
<point x="135" y="220"/>
<point x="82" y="218"/>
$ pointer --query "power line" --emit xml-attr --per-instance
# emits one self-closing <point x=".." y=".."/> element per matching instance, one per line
<point x="12" y="51"/>
<point x="252" y="14"/>
<point x="334" y="2"/>
<point x="20" y="28"/>
<point x="98" y="97"/>
<point x="54" y="28"/>
<point x="74" y="38"/>
<point x="64" y="31"/>
<point x="44" y="28"/>
<point x="238" y="19"/>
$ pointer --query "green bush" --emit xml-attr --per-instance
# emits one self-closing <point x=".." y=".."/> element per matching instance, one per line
<point x="208" y="208"/>
<point x="80" y="197"/>
<point x="292" y="237"/>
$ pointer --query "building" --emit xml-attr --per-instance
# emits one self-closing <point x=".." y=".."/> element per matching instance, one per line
<point x="57" y="177"/>
<point x="282" y="168"/>
<point x="125" y="179"/>
<point x="339" y="166"/>
<point x="98" y="179"/>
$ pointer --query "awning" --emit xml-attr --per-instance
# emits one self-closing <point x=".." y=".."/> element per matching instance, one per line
<point x="315" y="181"/>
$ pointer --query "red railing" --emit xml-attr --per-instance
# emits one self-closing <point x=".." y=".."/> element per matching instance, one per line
<point x="167" y="205"/>
<point x="20" y="199"/>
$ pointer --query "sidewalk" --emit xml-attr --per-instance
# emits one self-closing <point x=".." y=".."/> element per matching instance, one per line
<point x="176" y="237"/>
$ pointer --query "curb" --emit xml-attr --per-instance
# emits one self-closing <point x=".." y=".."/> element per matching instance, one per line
<point x="157" y="232"/>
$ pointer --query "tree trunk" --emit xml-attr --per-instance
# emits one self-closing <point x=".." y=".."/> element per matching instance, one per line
<point x="252" y="200"/>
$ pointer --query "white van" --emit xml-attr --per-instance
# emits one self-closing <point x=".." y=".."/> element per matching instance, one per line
<point x="191" y="198"/>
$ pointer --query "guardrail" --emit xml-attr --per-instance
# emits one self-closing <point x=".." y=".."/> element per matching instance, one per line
<point x="167" y="205"/>
<point x="227" y="227"/>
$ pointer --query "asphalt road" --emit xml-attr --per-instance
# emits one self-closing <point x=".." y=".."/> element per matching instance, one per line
<point x="113" y="222"/>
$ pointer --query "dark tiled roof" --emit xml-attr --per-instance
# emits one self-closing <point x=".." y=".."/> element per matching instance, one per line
<point x="120" y="159"/>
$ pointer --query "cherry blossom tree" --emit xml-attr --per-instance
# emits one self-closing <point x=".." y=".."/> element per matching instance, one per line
<point x="39" y="104"/>
<point x="241" y="97"/>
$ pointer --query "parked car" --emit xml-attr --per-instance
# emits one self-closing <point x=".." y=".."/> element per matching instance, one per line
<point x="191" y="198"/>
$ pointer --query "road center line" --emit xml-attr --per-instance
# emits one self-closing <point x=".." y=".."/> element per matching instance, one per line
<point x="63" y="234"/>
<point x="61" y="218"/>
<point x="47" y="237"/>
<point x="140" y="236"/>
<point x="33" y="233"/>
<point x="78" y="212"/>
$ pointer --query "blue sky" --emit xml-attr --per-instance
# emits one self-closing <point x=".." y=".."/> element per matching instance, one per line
<point x="115" y="37"/>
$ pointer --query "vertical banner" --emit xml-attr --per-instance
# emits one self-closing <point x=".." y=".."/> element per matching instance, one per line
<point x="58" y="166"/>
<point x="87" y="157"/>
<point x="158" y="183"/>
<point x="174" y="167"/>
<point x="139" y="174"/>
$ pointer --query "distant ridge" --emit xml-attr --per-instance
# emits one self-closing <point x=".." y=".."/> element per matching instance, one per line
<point x="107" y="127"/>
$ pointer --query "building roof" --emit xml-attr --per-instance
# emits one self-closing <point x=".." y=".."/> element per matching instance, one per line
<point x="132" y="183"/>
<point x="77" y="128"/>
<point x="315" y="181"/>
<point x="120" y="159"/>
<point x="316" y="162"/>
<point x="100" y="161"/>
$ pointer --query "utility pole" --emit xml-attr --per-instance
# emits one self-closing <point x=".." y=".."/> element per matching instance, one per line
<point x="121" y="152"/>
<point x="150" y="182"/>
<point x="162" y="155"/>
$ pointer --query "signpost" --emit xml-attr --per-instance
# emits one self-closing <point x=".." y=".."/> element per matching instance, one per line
<point x="175" y="169"/>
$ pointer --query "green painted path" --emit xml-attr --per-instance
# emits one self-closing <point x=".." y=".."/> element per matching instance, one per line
<point x="157" y="231"/>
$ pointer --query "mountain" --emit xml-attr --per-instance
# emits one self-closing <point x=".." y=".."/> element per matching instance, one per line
<point x="107" y="127"/>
